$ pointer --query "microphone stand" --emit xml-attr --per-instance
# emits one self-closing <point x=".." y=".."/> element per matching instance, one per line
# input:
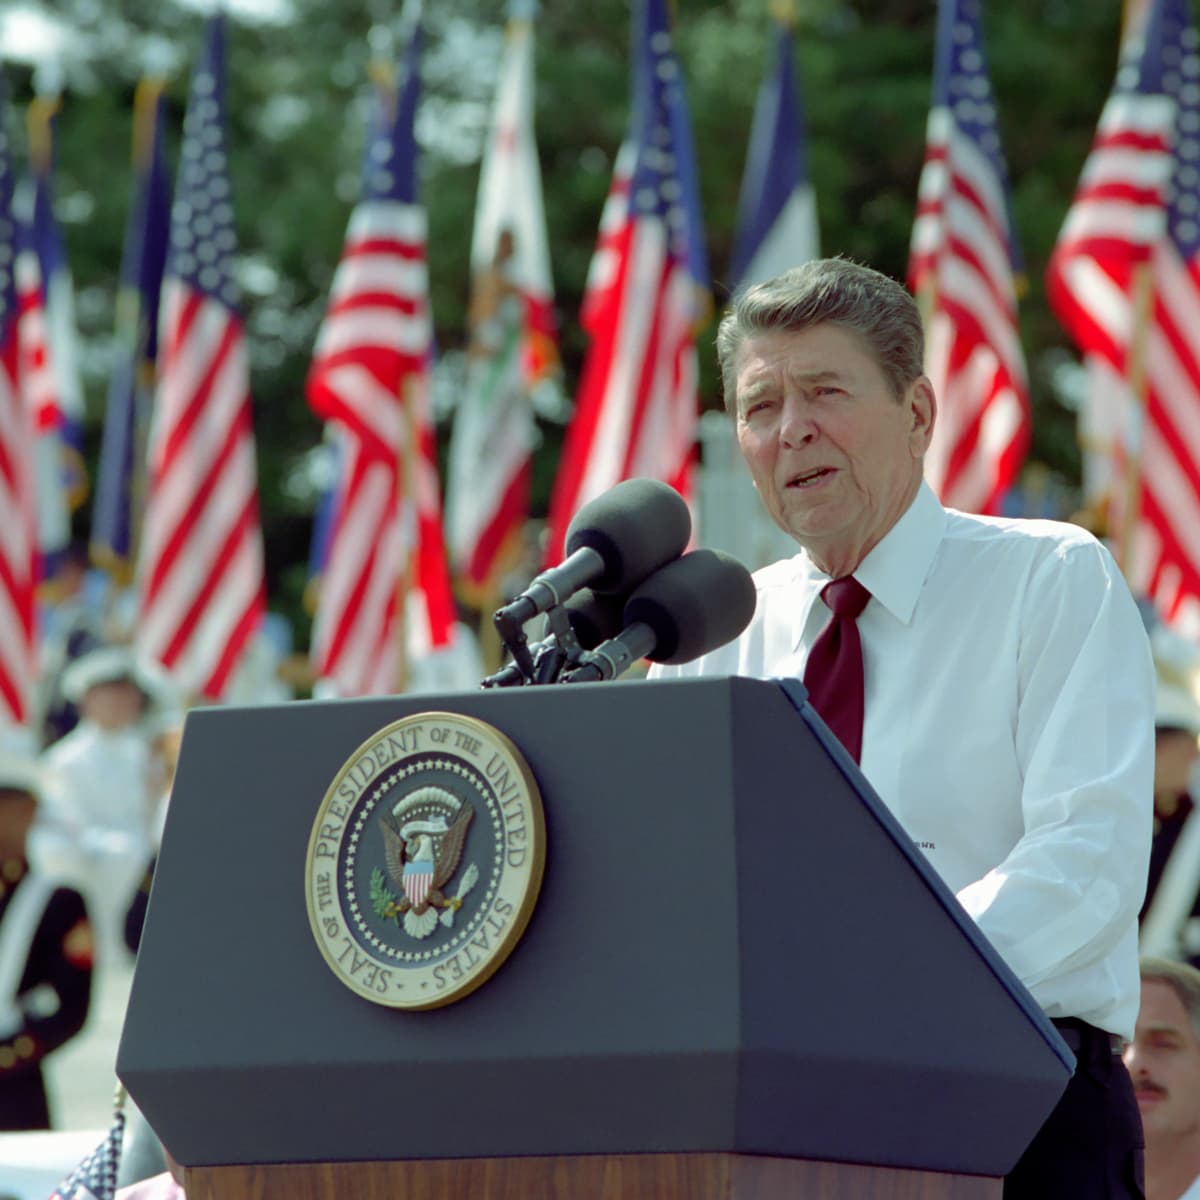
<point x="512" y="636"/>
<point x="564" y="651"/>
<point x="546" y="662"/>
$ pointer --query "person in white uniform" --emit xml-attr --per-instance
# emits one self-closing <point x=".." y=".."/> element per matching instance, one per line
<point x="1164" y="1062"/>
<point x="1007" y="695"/>
<point x="100" y="804"/>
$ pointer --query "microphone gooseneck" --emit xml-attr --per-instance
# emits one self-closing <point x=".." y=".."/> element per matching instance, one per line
<point x="614" y="542"/>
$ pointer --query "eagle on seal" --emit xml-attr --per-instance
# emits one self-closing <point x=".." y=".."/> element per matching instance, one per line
<point x="423" y="838"/>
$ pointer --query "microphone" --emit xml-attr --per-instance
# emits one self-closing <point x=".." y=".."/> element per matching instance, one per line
<point x="591" y="618"/>
<point x="595" y="617"/>
<point x="684" y="610"/>
<point x="613" y="543"/>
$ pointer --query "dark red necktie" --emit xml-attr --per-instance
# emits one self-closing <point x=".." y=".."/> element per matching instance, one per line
<point x="833" y="674"/>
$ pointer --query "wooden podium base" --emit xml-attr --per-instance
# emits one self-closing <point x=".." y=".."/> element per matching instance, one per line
<point x="589" y="1177"/>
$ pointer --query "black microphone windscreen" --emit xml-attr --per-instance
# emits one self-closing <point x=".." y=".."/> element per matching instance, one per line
<point x="595" y="618"/>
<point x="635" y="527"/>
<point x="694" y="604"/>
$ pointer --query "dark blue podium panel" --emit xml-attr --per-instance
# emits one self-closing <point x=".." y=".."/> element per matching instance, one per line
<point x="735" y="949"/>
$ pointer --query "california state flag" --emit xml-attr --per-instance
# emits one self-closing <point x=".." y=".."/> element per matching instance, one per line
<point x="512" y="338"/>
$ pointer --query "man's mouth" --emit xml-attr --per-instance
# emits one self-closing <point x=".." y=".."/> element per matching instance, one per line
<point x="1148" y="1094"/>
<point x="805" y="479"/>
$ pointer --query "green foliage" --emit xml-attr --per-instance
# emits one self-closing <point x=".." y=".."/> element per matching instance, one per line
<point x="383" y="899"/>
<point x="296" y="104"/>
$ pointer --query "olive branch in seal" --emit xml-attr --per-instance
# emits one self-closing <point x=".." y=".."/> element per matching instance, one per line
<point x="383" y="899"/>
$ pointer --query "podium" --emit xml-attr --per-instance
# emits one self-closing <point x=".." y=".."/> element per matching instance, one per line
<point x="740" y="978"/>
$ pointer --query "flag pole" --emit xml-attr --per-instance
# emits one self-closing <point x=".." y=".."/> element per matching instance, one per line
<point x="407" y="467"/>
<point x="1142" y="298"/>
<point x="382" y="72"/>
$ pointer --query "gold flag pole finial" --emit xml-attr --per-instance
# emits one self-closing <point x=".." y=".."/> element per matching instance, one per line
<point x="783" y="11"/>
<point x="39" y="122"/>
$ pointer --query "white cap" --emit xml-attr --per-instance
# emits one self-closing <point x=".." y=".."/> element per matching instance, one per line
<point x="1177" y="695"/>
<point x="109" y="664"/>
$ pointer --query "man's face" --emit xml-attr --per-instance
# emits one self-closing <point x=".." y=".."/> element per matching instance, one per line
<point x="114" y="704"/>
<point x="17" y="810"/>
<point x="835" y="456"/>
<point x="1164" y="1063"/>
<point x="1175" y="752"/>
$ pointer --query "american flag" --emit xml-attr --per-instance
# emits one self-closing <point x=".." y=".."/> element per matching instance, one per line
<point x="120" y="482"/>
<point x="962" y="264"/>
<point x="777" y="209"/>
<point x="18" y="534"/>
<point x="1124" y="280"/>
<point x="96" y="1177"/>
<point x="636" y="410"/>
<point x="200" y="568"/>
<point x="40" y="388"/>
<point x="41" y="382"/>
<point x="512" y="337"/>
<point x="58" y="291"/>
<point x="370" y="381"/>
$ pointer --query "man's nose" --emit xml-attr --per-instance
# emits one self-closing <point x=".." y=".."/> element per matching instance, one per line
<point x="796" y="425"/>
<point x="1134" y="1062"/>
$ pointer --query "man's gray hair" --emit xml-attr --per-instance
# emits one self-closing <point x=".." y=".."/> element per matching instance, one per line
<point x="832" y="291"/>
<point x="1182" y="979"/>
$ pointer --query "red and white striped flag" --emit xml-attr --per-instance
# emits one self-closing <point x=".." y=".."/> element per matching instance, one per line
<point x="382" y="573"/>
<point x="18" y="534"/>
<point x="200" y="572"/>
<point x="1124" y="280"/>
<point x="962" y="266"/>
<point x="355" y="637"/>
<point x="40" y="387"/>
<point x="512" y="339"/>
<point x="49" y="332"/>
<point x="637" y="407"/>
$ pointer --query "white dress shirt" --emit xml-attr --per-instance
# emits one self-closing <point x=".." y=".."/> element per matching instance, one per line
<point x="1009" y="726"/>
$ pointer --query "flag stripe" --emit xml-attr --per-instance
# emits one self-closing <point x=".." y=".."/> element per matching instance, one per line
<point x="18" y="532"/>
<point x="368" y="381"/>
<point x="962" y="255"/>
<point x="201" y="579"/>
<point x="1129" y="228"/>
<point x="512" y="340"/>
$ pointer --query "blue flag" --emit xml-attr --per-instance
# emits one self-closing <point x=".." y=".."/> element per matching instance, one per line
<point x="120" y="482"/>
<point x="777" y="212"/>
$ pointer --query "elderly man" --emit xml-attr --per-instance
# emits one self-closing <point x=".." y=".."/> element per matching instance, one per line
<point x="1164" y="1062"/>
<point x="992" y="677"/>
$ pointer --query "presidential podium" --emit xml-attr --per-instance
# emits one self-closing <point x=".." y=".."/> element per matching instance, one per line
<point x="739" y="980"/>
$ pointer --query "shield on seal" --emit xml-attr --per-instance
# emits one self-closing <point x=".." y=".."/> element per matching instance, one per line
<point x="416" y="880"/>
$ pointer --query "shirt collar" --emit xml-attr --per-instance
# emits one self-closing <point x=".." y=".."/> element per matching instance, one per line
<point x="895" y="569"/>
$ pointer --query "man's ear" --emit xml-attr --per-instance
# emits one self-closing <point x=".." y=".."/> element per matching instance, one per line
<point x="922" y="407"/>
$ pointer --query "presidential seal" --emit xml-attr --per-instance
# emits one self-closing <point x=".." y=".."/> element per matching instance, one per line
<point x="425" y="861"/>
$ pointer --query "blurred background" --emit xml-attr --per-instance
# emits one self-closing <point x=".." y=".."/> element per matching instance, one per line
<point x="298" y="104"/>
